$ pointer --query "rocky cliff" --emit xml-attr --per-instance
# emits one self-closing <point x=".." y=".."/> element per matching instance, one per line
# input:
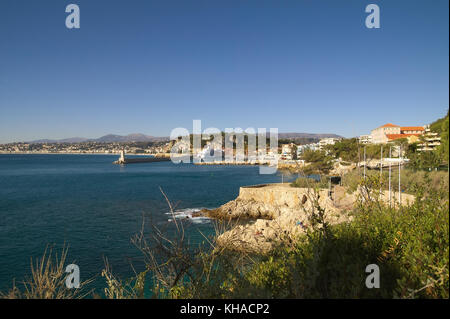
<point x="275" y="212"/>
<point x="279" y="212"/>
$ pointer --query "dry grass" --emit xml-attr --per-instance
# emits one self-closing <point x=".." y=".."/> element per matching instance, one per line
<point x="48" y="280"/>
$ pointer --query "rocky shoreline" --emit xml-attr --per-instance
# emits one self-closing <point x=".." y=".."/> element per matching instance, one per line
<point x="277" y="212"/>
<point x="273" y="212"/>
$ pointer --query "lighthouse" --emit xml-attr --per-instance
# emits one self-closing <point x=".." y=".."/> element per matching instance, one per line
<point x="122" y="157"/>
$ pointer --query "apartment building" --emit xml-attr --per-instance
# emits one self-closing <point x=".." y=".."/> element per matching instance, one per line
<point x="286" y="151"/>
<point x="365" y="139"/>
<point x="430" y="140"/>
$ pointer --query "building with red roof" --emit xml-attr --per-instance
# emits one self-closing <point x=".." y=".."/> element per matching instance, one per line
<point x="390" y="132"/>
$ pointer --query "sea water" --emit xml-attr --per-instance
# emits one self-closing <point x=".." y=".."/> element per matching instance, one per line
<point x="96" y="207"/>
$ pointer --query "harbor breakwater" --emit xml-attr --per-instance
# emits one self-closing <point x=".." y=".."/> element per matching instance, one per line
<point x="141" y="160"/>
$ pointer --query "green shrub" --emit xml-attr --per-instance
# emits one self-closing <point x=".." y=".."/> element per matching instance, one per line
<point x="411" y="180"/>
<point x="410" y="245"/>
<point x="306" y="182"/>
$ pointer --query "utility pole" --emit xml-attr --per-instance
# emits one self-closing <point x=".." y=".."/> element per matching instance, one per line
<point x="329" y="187"/>
<point x="359" y="161"/>
<point x="399" y="175"/>
<point x="390" y="155"/>
<point x="381" y="170"/>
<point x="364" y="163"/>
<point x="381" y="162"/>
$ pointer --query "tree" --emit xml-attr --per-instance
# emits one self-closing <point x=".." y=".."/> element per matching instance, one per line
<point x="319" y="162"/>
<point x="346" y="149"/>
<point x="294" y="152"/>
<point x="424" y="160"/>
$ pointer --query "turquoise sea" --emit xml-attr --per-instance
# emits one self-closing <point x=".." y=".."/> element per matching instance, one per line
<point x="96" y="207"/>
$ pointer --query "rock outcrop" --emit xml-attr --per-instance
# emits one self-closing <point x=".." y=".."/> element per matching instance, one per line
<point x="278" y="212"/>
<point x="275" y="212"/>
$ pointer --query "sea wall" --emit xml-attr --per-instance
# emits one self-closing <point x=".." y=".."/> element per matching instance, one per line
<point x="273" y="194"/>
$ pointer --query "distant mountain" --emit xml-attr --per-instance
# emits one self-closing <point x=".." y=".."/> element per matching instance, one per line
<point x="65" y="140"/>
<point x="137" y="137"/>
<point x="110" y="138"/>
<point x="306" y="135"/>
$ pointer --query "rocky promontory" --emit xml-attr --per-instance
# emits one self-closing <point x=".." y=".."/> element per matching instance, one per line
<point x="271" y="213"/>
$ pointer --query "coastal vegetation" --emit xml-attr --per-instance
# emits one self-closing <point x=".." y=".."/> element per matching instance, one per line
<point x="439" y="156"/>
<point x="319" y="162"/>
<point x="305" y="182"/>
<point x="411" y="180"/>
<point x="47" y="280"/>
<point x="410" y="245"/>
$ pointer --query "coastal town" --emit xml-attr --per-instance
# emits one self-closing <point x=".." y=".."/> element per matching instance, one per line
<point x="387" y="146"/>
<point x="85" y="148"/>
<point x="385" y="134"/>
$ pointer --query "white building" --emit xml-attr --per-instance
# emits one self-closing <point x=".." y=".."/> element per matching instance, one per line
<point x="365" y="139"/>
<point x="327" y="141"/>
<point x="286" y="151"/>
<point x="287" y="148"/>
<point x="302" y="148"/>
<point x="431" y="140"/>
<point x="390" y="132"/>
<point x="379" y="135"/>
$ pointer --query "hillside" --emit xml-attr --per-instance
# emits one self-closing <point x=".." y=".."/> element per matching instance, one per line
<point x="440" y="125"/>
<point x="110" y="138"/>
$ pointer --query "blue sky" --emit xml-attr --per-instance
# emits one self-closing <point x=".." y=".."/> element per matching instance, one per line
<point x="150" y="66"/>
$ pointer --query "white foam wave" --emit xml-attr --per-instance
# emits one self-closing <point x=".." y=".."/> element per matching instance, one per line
<point x="186" y="214"/>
